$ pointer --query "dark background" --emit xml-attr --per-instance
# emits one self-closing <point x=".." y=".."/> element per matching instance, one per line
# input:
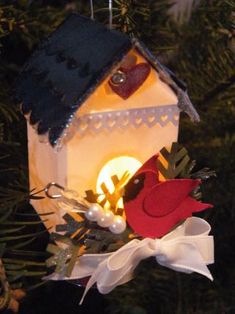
<point x="199" y="48"/>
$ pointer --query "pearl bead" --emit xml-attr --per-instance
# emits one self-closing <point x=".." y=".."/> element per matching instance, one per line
<point x="106" y="219"/>
<point x="118" y="225"/>
<point x="94" y="212"/>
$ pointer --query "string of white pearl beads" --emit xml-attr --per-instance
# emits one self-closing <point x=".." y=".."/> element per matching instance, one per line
<point x="118" y="225"/>
<point x="94" y="212"/>
<point x="106" y="218"/>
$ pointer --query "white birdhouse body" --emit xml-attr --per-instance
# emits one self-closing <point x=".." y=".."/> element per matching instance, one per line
<point x="138" y="127"/>
<point x="125" y="117"/>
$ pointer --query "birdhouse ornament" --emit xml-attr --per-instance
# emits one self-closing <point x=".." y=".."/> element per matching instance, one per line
<point x="102" y="115"/>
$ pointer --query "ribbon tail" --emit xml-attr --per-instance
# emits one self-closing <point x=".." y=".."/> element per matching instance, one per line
<point x="189" y="269"/>
<point x="118" y="268"/>
<point x="90" y="283"/>
<point x="93" y="279"/>
<point x="190" y="261"/>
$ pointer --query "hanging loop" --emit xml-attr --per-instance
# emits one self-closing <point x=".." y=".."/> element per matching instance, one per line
<point x="49" y="187"/>
<point x="92" y="9"/>
<point x="67" y="199"/>
<point x="110" y="14"/>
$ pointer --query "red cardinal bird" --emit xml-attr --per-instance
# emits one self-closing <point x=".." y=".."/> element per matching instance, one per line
<point x="152" y="207"/>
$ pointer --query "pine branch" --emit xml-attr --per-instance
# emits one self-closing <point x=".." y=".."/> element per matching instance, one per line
<point x="218" y="90"/>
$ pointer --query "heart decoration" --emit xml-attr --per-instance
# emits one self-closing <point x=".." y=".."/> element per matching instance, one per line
<point x="134" y="78"/>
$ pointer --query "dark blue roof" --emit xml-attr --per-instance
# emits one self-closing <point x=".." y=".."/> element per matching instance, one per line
<point x="65" y="69"/>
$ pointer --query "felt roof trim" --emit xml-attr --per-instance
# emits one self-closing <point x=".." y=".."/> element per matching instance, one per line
<point x="65" y="69"/>
<point x="69" y="65"/>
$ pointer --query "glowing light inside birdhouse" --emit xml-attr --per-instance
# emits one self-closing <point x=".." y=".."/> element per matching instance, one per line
<point x="117" y="166"/>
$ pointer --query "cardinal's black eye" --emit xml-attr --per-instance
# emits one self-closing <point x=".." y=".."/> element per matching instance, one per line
<point x="133" y="187"/>
<point x="118" y="78"/>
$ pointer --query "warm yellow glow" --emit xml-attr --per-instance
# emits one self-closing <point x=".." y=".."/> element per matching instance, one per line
<point x="117" y="166"/>
<point x="153" y="92"/>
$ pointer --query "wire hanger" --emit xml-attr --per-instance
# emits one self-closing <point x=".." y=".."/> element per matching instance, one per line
<point x="92" y="9"/>
<point x="110" y="12"/>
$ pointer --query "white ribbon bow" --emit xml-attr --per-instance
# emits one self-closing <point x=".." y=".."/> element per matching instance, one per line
<point x="188" y="248"/>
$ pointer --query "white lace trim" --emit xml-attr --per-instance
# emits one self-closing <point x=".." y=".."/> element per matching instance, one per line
<point x="122" y="119"/>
